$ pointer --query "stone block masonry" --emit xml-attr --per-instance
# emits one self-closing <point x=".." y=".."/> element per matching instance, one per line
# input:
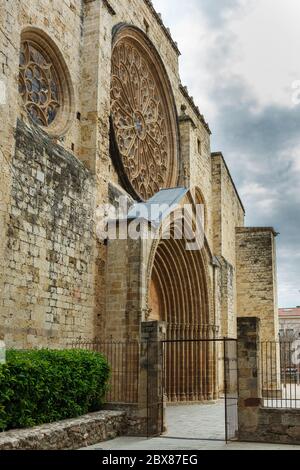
<point x="56" y="281"/>
<point x="282" y="426"/>
<point x="256" y="423"/>
<point x="257" y="278"/>
<point x="69" y="434"/>
<point x="48" y="290"/>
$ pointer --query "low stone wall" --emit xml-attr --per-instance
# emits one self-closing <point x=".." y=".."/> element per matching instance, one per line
<point x="136" y="421"/>
<point x="258" y="424"/>
<point x="68" y="434"/>
<point x="274" y="425"/>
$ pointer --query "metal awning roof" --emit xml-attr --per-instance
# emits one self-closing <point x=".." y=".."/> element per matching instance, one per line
<point x="156" y="209"/>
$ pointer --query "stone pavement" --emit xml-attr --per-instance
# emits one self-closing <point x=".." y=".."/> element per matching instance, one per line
<point x="190" y="427"/>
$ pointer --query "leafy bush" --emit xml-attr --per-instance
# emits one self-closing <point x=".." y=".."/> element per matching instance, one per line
<point x="44" y="386"/>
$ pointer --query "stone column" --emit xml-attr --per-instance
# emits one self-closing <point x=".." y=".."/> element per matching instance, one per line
<point x="123" y="285"/>
<point x="249" y="386"/>
<point x="151" y="391"/>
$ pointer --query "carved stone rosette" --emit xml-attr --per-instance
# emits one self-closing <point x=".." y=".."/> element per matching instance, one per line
<point x="143" y="114"/>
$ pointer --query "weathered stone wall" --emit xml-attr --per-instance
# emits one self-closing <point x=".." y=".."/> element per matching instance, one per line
<point x="48" y="295"/>
<point x="258" y="424"/>
<point x="257" y="279"/>
<point x="227" y="288"/>
<point x="83" y="31"/>
<point x="21" y="306"/>
<point x="124" y="289"/>
<point x="71" y="434"/>
<point x="195" y="168"/>
<point x="228" y="211"/>
<point x="279" y="426"/>
<point x="227" y="214"/>
<point x="249" y="384"/>
<point x="62" y="21"/>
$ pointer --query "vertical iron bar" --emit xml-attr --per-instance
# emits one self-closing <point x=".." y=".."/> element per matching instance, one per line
<point x="225" y="391"/>
<point x="290" y="373"/>
<point x="267" y="370"/>
<point x="280" y="372"/>
<point x="272" y="372"/>
<point x="162" y="386"/>
<point x="147" y="382"/>
<point x="262" y="369"/>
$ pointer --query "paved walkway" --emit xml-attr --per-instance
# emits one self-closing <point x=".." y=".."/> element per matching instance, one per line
<point x="190" y="427"/>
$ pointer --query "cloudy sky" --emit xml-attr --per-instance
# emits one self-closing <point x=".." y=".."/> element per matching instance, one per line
<point x="241" y="62"/>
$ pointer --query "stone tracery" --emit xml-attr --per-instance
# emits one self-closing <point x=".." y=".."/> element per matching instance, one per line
<point x="38" y="84"/>
<point x="142" y="120"/>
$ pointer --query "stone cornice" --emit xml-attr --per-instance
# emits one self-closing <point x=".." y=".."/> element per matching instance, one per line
<point x="164" y="28"/>
<point x="257" y="230"/>
<point x="195" y="108"/>
<point x="154" y="13"/>
<point x="186" y="118"/>
<point x="220" y="154"/>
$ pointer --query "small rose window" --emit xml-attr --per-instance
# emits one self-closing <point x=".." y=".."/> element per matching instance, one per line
<point x="39" y="85"/>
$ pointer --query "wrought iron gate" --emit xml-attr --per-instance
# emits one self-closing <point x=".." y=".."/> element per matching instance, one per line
<point x="202" y="370"/>
<point x="180" y="371"/>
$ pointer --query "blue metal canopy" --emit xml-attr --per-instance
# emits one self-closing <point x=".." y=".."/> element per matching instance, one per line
<point x="156" y="209"/>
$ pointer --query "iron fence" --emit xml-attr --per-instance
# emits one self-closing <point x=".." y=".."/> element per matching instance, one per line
<point x="188" y="331"/>
<point x="124" y="360"/>
<point x="190" y="362"/>
<point x="280" y="374"/>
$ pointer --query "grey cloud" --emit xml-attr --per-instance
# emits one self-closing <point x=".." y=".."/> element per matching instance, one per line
<point x="241" y="129"/>
<point x="215" y="10"/>
<point x="257" y="143"/>
<point x="262" y="140"/>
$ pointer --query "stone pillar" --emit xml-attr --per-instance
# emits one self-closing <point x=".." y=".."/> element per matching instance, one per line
<point x="151" y="392"/>
<point x="123" y="286"/>
<point x="257" y="278"/>
<point x="249" y="386"/>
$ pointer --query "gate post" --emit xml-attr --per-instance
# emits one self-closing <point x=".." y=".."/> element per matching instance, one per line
<point x="249" y="385"/>
<point x="151" y="390"/>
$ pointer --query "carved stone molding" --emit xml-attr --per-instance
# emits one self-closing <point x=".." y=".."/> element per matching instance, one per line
<point x="143" y="115"/>
<point x="45" y="83"/>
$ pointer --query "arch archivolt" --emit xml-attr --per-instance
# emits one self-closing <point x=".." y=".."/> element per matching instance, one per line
<point x="178" y="282"/>
<point x="179" y="291"/>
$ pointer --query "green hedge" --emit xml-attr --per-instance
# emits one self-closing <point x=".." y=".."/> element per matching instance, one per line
<point x="38" y="387"/>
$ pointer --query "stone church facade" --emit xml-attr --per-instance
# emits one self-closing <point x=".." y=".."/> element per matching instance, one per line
<point x="95" y="109"/>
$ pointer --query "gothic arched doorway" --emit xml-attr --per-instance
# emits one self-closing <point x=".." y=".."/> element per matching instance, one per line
<point x="178" y="294"/>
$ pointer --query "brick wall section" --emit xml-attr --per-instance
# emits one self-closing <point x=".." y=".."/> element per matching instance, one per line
<point x="257" y="279"/>
<point x="48" y="291"/>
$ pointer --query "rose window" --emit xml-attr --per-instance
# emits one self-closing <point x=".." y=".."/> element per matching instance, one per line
<point x="143" y="117"/>
<point x="39" y="85"/>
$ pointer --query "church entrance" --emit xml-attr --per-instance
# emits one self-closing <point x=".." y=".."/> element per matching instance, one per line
<point x="189" y="382"/>
<point x="162" y="294"/>
<point x="179" y="296"/>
